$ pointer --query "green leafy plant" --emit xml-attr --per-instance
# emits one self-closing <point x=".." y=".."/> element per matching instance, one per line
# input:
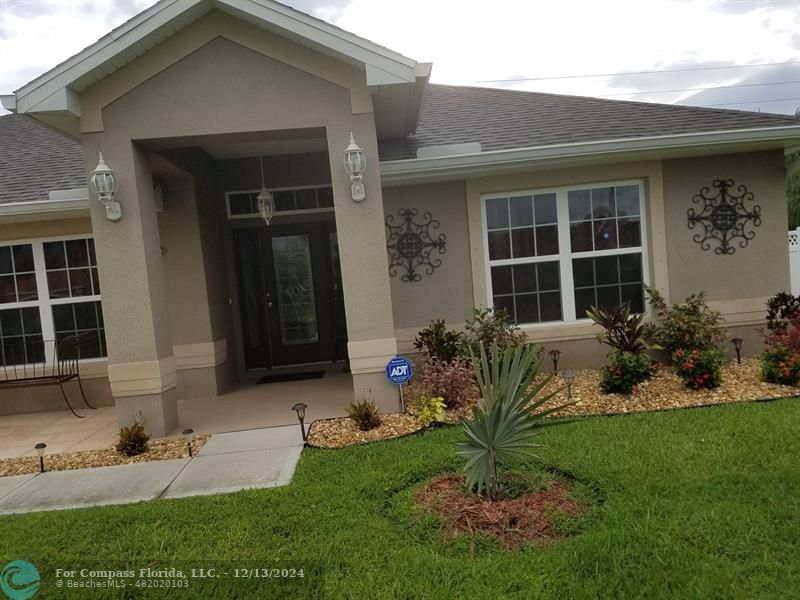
<point x="699" y="368"/>
<point x="505" y="422"/>
<point x="490" y="327"/>
<point x="454" y="380"/>
<point x="438" y="342"/>
<point x="624" y="330"/>
<point x="680" y="326"/>
<point x="625" y="371"/>
<point x="430" y="410"/>
<point x="782" y="309"/>
<point x="132" y="440"/>
<point x="364" y="414"/>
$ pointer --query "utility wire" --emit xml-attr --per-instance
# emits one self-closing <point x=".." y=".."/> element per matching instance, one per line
<point x="638" y="72"/>
<point x="715" y="87"/>
<point x="747" y="102"/>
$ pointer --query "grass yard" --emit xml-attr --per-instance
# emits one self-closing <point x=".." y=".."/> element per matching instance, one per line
<point x="700" y="503"/>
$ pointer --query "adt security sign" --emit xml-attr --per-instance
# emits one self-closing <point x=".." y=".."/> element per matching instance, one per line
<point x="399" y="370"/>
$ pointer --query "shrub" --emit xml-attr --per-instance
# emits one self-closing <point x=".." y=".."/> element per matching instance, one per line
<point x="454" y="381"/>
<point x="489" y="327"/>
<point x="699" y="368"/>
<point x="364" y="414"/>
<point x="431" y="410"/>
<point x="625" y="331"/>
<point x="681" y="326"/>
<point x="780" y="361"/>
<point x="626" y="371"/>
<point x="782" y="309"/>
<point x="132" y="440"/>
<point x="439" y="343"/>
<point x="505" y="423"/>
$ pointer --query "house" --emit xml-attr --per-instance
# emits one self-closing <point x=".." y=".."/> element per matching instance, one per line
<point x="211" y="112"/>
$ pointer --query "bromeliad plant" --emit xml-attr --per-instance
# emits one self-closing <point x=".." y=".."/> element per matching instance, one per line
<point x="505" y="422"/>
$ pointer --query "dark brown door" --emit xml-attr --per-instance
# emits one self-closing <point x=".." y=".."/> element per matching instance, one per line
<point x="295" y="273"/>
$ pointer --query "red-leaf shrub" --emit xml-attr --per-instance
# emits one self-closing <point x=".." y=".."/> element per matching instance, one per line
<point x="780" y="361"/>
<point x="454" y="381"/>
<point x="699" y="368"/>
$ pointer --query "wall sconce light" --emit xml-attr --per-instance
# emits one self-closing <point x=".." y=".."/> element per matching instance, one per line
<point x="189" y="435"/>
<point x="355" y="163"/>
<point x="737" y="345"/>
<point x="266" y="201"/>
<point x="568" y="377"/>
<point x="300" y="409"/>
<point x="40" y="451"/>
<point x="554" y="356"/>
<point x="104" y="184"/>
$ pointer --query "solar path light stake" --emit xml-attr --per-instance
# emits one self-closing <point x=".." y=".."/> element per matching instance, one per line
<point x="554" y="356"/>
<point x="300" y="409"/>
<point x="40" y="451"/>
<point x="189" y="435"/>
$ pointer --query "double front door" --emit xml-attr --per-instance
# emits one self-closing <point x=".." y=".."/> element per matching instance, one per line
<point x="290" y="294"/>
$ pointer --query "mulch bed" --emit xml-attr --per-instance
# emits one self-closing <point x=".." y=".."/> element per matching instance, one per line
<point x="160" y="449"/>
<point x="740" y="383"/>
<point x="513" y="522"/>
<point x="342" y="431"/>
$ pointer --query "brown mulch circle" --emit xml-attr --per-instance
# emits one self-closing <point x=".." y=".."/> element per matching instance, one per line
<point x="512" y="521"/>
<point x="665" y="390"/>
<point x="342" y="431"/>
<point x="159" y="449"/>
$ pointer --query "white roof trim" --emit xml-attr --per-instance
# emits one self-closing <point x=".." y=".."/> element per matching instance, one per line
<point x="467" y="164"/>
<point x="49" y="87"/>
<point x="62" y="204"/>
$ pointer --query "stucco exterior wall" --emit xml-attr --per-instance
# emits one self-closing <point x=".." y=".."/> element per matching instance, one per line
<point x="447" y="293"/>
<point x="738" y="284"/>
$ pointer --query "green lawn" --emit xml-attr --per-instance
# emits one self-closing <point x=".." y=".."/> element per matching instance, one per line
<point x="700" y="503"/>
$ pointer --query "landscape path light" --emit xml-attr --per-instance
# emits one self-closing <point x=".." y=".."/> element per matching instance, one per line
<point x="189" y="435"/>
<point x="40" y="451"/>
<point x="737" y="345"/>
<point x="300" y="409"/>
<point x="568" y="377"/>
<point x="554" y="356"/>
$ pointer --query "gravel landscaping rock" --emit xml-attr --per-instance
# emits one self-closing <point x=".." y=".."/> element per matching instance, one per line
<point x="740" y="383"/>
<point x="341" y="432"/>
<point x="160" y="449"/>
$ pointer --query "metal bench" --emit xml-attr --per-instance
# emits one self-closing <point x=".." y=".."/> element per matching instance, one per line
<point x="38" y="363"/>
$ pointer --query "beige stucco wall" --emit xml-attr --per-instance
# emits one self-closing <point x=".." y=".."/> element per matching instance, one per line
<point x="447" y="292"/>
<point x="44" y="229"/>
<point x="738" y="283"/>
<point x="221" y="76"/>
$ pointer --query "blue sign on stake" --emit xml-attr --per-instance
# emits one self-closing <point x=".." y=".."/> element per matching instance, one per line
<point x="399" y="370"/>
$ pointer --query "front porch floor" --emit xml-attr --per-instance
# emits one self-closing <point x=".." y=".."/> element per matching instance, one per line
<point x="244" y="407"/>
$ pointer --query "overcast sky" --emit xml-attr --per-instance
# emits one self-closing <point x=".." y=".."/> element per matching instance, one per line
<point x="474" y="42"/>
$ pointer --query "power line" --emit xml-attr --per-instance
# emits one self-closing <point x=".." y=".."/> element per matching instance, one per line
<point x="748" y="102"/>
<point x="715" y="87"/>
<point x="638" y="72"/>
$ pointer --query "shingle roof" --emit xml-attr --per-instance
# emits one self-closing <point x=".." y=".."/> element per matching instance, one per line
<point x="36" y="159"/>
<point x="503" y="119"/>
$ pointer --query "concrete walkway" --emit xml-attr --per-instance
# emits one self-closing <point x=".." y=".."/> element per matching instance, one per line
<point x="228" y="462"/>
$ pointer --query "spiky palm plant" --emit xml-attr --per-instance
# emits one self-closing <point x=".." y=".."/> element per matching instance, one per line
<point x="505" y="422"/>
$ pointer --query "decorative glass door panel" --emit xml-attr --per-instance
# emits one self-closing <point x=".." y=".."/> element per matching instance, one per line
<point x="294" y="281"/>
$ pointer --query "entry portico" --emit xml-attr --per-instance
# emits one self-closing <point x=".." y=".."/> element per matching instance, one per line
<point x="240" y="81"/>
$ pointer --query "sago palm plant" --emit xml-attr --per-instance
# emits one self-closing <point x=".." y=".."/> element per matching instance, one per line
<point x="505" y="421"/>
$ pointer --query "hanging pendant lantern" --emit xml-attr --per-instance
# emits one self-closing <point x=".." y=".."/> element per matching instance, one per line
<point x="266" y="201"/>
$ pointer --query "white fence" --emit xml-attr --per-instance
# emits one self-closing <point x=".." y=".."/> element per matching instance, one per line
<point x="794" y="260"/>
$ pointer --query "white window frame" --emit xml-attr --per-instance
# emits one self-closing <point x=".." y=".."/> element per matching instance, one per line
<point x="278" y="213"/>
<point x="565" y="254"/>
<point x="45" y="303"/>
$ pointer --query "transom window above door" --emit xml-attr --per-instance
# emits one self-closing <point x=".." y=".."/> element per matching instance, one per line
<point x="550" y="254"/>
<point x="244" y="205"/>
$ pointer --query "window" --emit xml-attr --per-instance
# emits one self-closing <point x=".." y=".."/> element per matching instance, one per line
<point x="49" y="290"/>
<point x="552" y="254"/>
<point x="245" y="204"/>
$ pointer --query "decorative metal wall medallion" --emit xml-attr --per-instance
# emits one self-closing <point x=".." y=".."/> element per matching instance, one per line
<point x="724" y="217"/>
<point x="410" y="244"/>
